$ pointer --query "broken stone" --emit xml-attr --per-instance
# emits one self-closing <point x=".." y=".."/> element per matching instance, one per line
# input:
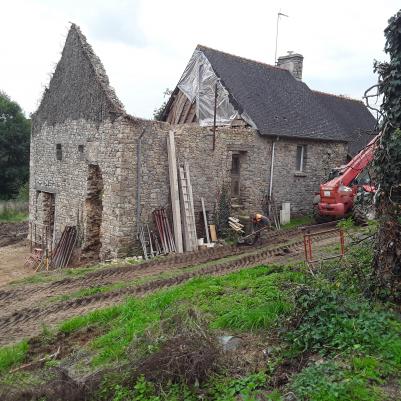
<point x="229" y="343"/>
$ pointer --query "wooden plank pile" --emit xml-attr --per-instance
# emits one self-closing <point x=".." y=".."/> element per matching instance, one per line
<point x="236" y="225"/>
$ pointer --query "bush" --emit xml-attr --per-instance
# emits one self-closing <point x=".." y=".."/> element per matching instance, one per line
<point x="331" y="321"/>
<point x="189" y="354"/>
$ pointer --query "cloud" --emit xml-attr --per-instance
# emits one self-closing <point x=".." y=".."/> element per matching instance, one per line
<point x="145" y="44"/>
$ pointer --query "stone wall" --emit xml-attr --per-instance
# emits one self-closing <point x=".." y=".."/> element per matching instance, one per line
<point x="209" y="169"/>
<point x="112" y="146"/>
<point x="299" y="187"/>
<point x="109" y="145"/>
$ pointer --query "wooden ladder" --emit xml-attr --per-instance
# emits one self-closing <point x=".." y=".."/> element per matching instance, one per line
<point x="187" y="206"/>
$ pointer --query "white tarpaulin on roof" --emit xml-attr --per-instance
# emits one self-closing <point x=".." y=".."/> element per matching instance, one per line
<point x="199" y="82"/>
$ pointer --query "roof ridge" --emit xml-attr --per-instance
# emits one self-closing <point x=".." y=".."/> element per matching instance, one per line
<point x="99" y="69"/>
<point x="200" y="47"/>
<point x="338" y="96"/>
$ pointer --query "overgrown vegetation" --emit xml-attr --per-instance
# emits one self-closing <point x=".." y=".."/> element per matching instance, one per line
<point x="387" y="166"/>
<point x="317" y="334"/>
<point x="11" y="215"/>
<point x="159" y="111"/>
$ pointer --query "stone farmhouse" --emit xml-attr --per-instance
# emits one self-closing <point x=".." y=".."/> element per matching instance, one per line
<point x="255" y="128"/>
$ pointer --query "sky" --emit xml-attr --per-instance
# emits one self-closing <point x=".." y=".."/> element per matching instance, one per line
<point x="146" y="44"/>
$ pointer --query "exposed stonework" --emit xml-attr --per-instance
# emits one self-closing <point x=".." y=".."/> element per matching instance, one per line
<point x="95" y="184"/>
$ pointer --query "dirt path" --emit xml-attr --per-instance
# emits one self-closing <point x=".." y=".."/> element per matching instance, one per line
<point x="21" y="316"/>
<point x="11" y="233"/>
<point x="12" y="259"/>
<point x="14" y="299"/>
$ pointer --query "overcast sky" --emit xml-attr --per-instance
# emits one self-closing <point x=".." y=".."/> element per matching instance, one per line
<point x="145" y="44"/>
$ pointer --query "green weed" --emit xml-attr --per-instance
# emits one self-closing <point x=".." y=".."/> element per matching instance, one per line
<point x="298" y="221"/>
<point x="12" y="355"/>
<point x="330" y="381"/>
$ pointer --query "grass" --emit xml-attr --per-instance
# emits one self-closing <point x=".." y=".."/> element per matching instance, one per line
<point x="352" y="344"/>
<point x="9" y="216"/>
<point x="245" y="301"/>
<point x="12" y="355"/>
<point x="298" y="221"/>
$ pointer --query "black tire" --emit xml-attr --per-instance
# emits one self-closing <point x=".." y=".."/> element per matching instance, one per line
<point x="318" y="217"/>
<point x="359" y="216"/>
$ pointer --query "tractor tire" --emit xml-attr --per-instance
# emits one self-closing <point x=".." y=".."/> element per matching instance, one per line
<point x="318" y="217"/>
<point x="361" y="214"/>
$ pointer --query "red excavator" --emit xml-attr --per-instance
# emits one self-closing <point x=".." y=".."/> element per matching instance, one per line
<point x="337" y="196"/>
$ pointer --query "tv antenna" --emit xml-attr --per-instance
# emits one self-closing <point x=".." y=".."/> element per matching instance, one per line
<point x="279" y="14"/>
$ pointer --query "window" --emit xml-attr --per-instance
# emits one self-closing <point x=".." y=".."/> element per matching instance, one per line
<point x="59" y="152"/>
<point x="301" y="158"/>
<point x="81" y="152"/>
<point x="235" y="165"/>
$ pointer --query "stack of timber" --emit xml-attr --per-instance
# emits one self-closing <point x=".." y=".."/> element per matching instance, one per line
<point x="273" y="212"/>
<point x="174" y="191"/>
<point x="187" y="209"/>
<point x="63" y="251"/>
<point x="164" y="230"/>
<point x="236" y="225"/>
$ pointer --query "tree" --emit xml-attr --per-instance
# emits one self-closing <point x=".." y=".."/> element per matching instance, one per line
<point x="158" y="113"/>
<point x="14" y="147"/>
<point x="387" y="166"/>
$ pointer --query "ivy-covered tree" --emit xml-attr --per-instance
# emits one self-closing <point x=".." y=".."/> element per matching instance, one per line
<point x="14" y="147"/>
<point x="387" y="165"/>
<point x="158" y="112"/>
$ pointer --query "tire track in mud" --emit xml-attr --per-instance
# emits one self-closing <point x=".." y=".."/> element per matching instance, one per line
<point x="18" y="298"/>
<point x="28" y="322"/>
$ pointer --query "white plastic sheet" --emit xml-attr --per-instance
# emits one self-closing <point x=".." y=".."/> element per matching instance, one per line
<point x="198" y="82"/>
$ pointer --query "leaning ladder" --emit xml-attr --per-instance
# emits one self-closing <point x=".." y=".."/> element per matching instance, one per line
<point x="187" y="204"/>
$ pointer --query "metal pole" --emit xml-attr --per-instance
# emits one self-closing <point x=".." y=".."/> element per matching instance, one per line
<point x="271" y="175"/>
<point x="278" y="19"/>
<point x="214" y="115"/>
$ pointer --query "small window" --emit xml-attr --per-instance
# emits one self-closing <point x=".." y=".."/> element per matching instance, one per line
<point x="59" y="152"/>
<point x="81" y="152"/>
<point x="301" y="158"/>
<point x="235" y="164"/>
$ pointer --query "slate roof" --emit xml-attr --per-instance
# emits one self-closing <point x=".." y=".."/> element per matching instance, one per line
<point x="353" y="116"/>
<point x="281" y="105"/>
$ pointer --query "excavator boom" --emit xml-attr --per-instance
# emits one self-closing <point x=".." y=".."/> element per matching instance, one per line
<point x="337" y="195"/>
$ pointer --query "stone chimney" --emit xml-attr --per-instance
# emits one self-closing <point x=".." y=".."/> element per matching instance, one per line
<point x="293" y="63"/>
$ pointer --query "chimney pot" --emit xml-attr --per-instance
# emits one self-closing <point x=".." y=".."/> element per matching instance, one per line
<point x="293" y="62"/>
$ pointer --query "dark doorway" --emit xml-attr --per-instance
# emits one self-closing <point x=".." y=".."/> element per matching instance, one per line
<point x="235" y="175"/>
<point x="49" y="207"/>
<point x="93" y="214"/>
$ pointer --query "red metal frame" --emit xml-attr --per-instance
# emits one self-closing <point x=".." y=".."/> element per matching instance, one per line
<point x="308" y="239"/>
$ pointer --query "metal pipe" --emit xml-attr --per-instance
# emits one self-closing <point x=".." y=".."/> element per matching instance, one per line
<point x="279" y="14"/>
<point x="214" y="115"/>
<point x="272" y="169"/>
<point x="138" y="178"/>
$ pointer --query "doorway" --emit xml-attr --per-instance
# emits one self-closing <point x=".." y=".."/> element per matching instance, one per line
<point x="93" y="214"/>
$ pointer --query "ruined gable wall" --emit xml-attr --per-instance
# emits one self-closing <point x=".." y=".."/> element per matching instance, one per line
<point x="105" y="145"/>
<point x="79" y="87"/>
